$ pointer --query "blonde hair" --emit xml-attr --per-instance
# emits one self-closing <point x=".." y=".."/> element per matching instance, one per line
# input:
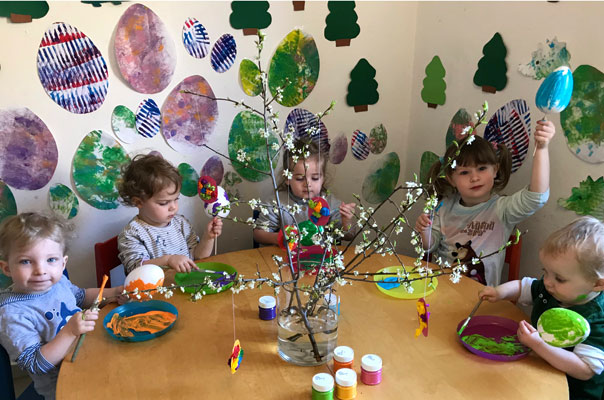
<point x="21" y="231"/>
<point x="585" y="236"/>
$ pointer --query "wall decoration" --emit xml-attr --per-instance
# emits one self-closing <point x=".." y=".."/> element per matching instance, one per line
<point x="96" y="169"/>
<point x="28" y="151"/>
<point x="63" y="201"/>
<point x="123" y="123"/>
<point x="359" y="145"/>
<point x="294" y="68"/>
<point x="381" y="178"/>
<point x="511" y="125"/>
<point x="298" y="5"/>
<point x="195" y="38"/>
<point x="378" y="138"/>
<point x="246" y="143"/>
<point x="249" y="77"/>
<point x="250" y="16"/>
<point x="362" y="89"/>
<point x="144" y="50"/>
<point x="582" y="119"/>
<point x="306" y="126"/>
<point x="492" y="69"/>
<point x="71" y="69"/>
<point x="100" y="3"/>
<point x="189" y="180"/>
<point x="148" y="118"/>
<point x="8" y="205"/>
<point x="433" y="92"/>
<point x="546" y="59"/>
<point x="339" y="149"/>
<point x="587" y="199"/>
<point x="224" y="53"/>
<point x="428" y="159"/>
<point x="554" y="93"/>
<point x="231" y="180"/>
<point x="214" y="169"/>
<point x="23" y="11"/>
<point x="188" y="120"/>
<point x="341" y="22"/>
<point x="460" y="122"/>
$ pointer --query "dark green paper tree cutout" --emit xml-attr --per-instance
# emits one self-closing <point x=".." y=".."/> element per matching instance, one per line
<point x="587" y="199"/>
<point x="341" y="22"/>
<point x="433" y="92"/>
<point x="362" y="89"/>
<point x="250" y="16"/>
<point x="100" y="3"/>
<point x="23" y="11"/>
<point x="492" y="69"/>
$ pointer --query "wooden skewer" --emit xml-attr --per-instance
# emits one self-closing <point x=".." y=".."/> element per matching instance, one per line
<point x="94" y="305"/>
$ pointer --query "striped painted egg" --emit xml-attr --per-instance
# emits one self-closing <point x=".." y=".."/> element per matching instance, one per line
<point x="306" y="126"/>
<point x="359" y="145"/>
<point x="71" y="69"/>
<point x="148" y="118"/>
<point x="224" y="53"/>
<point x="555" y="91"/>
<point x="195" y="38"/>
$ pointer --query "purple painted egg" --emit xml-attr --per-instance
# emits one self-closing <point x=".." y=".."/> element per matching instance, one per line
<point x="339" y="149"/>
<point x="213" y="168"/>
<point x="195" y="38"/>
<point x="224" y="53"/>
<point x="148" y="118"/>
<point x="359" y="145"/>
<point x="306" y="126"/>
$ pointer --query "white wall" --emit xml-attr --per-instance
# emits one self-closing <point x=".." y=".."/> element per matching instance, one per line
<point x="387" y="40"/>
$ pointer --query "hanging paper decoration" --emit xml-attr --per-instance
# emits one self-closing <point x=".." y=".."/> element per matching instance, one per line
<point x="62" y="201"/>
<point x="306" y="126"/>
<point x="511" y="125"/>
<point x="221" y="207"/>
<point x="378" y="137"/>
<point x="318" y="211"/>
<point x="214" y="168"/>
<point x="144" y="50"/>
<point x="381" y="178"/>
<point x="428" y="159"/>
<point x="188" y="120"/>
<point x="224" y="53"/>
<point x="189" y="179"/>
<point x="362" y="89"/>
<point x="195" y="38"/>
<point x="28" y="152"/>
<point x="123" y="122"/>
<point x="359" y="145"/>
<point x="433" y="92"/>
<point x="292" y="237"/>
<point x="71" y="69"/>
<point x="492" y="69"/>
<point x="341" y="22"/>
<point x="8" y="205"/>
<point x="458" y="126"/>
<point x="207" y="189"/>
<point x="294" y="68"/>
<point x="338" y="149"/>
<point x="23" y="11"/>
<point x="423" y="316"/>
<point x="96" y="169"/>
<point x="249" y="76"/>
<point x="587" y="199"/>
<point x="250" y="16"/>
<point x="554" y="93"/>
<point x="148" y="118"/>
<point x="546" y="59"/>
<point x="236" y="356"/>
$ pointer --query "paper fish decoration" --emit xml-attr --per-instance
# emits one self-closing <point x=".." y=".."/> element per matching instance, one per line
<point x="292" y="237"/>
<point x="236" y="356"/>
<point x="423" y="315"/>
<point x="318" y="211"/>
<point x="555" y="91"/>
<point x="206" y="189"/>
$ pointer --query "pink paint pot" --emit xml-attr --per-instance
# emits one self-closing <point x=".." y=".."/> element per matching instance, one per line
<point x="371" y="369"/>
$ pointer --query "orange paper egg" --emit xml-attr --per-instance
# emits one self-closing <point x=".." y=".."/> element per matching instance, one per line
<point x="145" y="277"/>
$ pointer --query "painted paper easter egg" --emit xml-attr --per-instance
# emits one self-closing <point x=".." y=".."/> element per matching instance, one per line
<point x="249" y="76"/>
<point x="318" y="211"/>
<point x="28" y="151"/>
<point x="555" y="91"/>
<point x="359" y="145"/>
<point x="62" y="201"/>
<point x="195" y="38"/>
<point x="206" y="189"/>
<point x="428" y="159"/>
<point x="219" y="208"/>
<point x="71" y="69"/>
<point x="189" y="179"/>
<point x="145" y="277"/>
<point x="148" y="118"/>
<point x="224" y="53"/>
<point x="214" y="168"/>
<point x="144" y="50"/>
<point x="338" y="149"/>
<point x="309" y="229"/>
<point x="123" y="123"/>
<point x="561" y="327"/>
<point x="378" y="138"/>
<point x="306" y="126"/>
<point x="188" y="120"/>
<point x="459" y="124"/>
<point x="8" y="205"/>
<point x="381" y="178"/>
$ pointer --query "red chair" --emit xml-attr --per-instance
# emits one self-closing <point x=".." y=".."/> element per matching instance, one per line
<point x="106" y="258"/>
<point x="512" y="258"/>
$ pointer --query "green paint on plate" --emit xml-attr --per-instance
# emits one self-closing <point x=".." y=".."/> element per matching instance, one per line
<point x="508" y="346"/>
<point x="382" y="178"/>
<point x="62" y="201"/>
<point x="189" y="179"/>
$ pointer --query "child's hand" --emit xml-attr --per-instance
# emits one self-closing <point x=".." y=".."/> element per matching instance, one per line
<point x="489" y="293"/>
<point x="181" y="263"/>
<point x="544" y="132"/>
<point x="214" y="228"/>
<point x="78" y="325"/>
<point x="422" y="223"/>
<point x="118" y="296"/>
<point x="528" y="336"/>
<point x="347" y="213"/>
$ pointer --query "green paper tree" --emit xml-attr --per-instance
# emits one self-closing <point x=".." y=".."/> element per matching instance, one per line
<point x="587" y="199"/>
<point x="23" y="11"/>
<point x="250" y="16"/>
<point x="341" y="22"/>
<point x="100" y="3"/>
<point x="362" y="89"/>
<point x="492" y="69"/>
<point x="433" y="92"/>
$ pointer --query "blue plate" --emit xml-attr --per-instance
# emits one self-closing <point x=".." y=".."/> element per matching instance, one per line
<point x="135" y="308"/>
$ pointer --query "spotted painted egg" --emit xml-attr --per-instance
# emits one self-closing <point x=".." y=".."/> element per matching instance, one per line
<point x="561" y="327"/>
<point x="145" y="277"/>
<point x="359" y="145"/>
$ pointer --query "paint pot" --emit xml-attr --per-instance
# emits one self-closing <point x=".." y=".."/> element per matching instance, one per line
<point x="267" y="308"/>
<point x="346" y="384"/>
<point x="371" y="369"/>
<point x="343" y="356"/>
<point x="333" y="302"/>
<point x="322" y="387"/>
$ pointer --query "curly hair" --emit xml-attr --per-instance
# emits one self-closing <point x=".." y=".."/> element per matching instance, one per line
<point x="312" y="151"/>
<point x="146" y="175"/>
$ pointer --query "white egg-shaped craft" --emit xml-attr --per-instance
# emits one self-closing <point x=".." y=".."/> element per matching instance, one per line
<point x="555" y="91"/>
<point x="562" y="328"/>
<point x="221" y="207"/>
<point x="145" y="277"/>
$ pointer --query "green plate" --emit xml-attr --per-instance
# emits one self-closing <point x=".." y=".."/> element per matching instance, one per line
<point x="399" y="291"/>
<point x="197" y="277"/>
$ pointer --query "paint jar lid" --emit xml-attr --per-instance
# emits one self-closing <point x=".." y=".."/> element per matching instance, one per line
<point x="371" y="362"/>
<point x="267" y="302"/>
<point x="322" y="382"/>
<point x="343" y="354"/>
<point x="346" y="377"/>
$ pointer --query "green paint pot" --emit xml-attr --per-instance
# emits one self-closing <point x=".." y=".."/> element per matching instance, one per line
<point x="562" y="328"/>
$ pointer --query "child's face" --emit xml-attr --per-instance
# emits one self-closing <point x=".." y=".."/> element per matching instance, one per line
<point x="159" y="209"/>
<point x="36" y="268"/>
<point x="564" y="280"/>
<point x="307" y="184"/>
<point x="474" y="183"/>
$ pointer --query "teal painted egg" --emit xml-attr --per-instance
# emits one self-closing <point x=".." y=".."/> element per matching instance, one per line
<point x="562" y="328"/>
<point x="555" y="91"/>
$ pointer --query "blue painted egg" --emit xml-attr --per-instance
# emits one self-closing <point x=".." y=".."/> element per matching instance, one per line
<point x="555" y="91"/>
<point x="195" y="38"/>
<point x="359" y="145"/>
<point x="148" y="118"/>
<point x="224" y="53"/>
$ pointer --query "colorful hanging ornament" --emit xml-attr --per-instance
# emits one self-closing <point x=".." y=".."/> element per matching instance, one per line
<point x="555" y="91"/>
<point x="292" y="237"/>
<point x="236" y="356"/>
<point x="206" y="189"/>
<point x="318" y="211"/>
<point x="423" y="315"/>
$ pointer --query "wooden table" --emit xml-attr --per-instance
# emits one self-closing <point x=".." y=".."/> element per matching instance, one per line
<point x="190" y="361"/>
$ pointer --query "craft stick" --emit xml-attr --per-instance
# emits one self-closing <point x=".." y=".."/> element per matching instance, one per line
<point x="96" y="303"/>
<point x="216" y="246"/>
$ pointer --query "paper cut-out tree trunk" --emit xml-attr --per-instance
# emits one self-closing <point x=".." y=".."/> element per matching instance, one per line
<point x="492" y="69"/>
<point x="433" y="92"/>
<point x="341" y="22"/>
<point x="298" y="5"/>
<point x="23" y="11"/>
<point x="362" y="89"/>
<point x="250" y="16"/>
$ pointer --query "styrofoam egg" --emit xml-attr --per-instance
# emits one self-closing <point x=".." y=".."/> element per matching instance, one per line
<point x="555" y="91"/>
<point x="148" y="276"/>
<point x="222" y="201"/>
<point x="561" y="327"/>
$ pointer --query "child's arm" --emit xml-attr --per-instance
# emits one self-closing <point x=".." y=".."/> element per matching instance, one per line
<point x="263" y="237"/>
<point x="55" y="350"/>
<point x="563" y="360"/>
<point x="506" y="291"/>
<point x="544" y="132"/>
<point x="422" y="225"/>
<point x="346" y="212"/>
<point x="206" y="244"/>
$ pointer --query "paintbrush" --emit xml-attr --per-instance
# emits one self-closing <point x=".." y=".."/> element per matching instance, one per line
<point x="96" y="303"/>
<point x="469" y="317"/>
